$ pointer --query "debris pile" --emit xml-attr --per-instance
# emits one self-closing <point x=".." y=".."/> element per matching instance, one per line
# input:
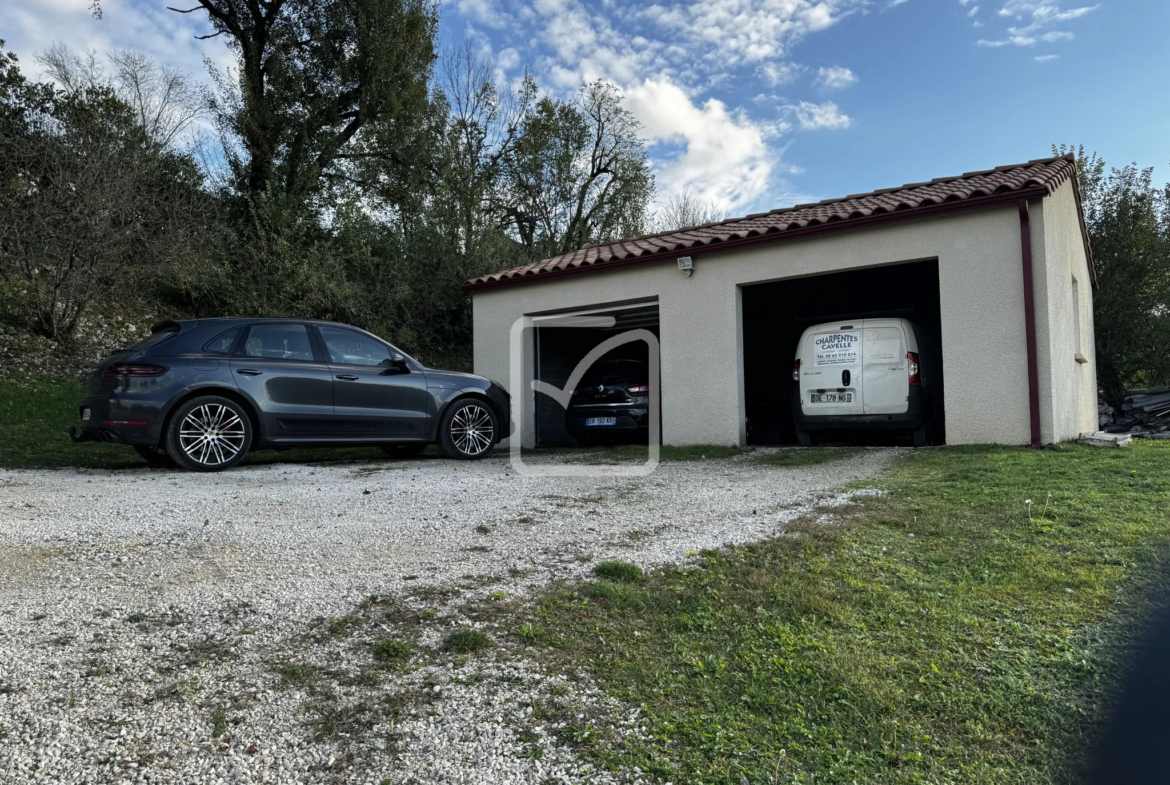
<point x="1145" y="413"/>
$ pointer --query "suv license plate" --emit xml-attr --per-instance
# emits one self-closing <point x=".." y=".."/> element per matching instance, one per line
<point x="831" y="397"/>
<point x="601" y="421"/>
<point x="85" y="413"/>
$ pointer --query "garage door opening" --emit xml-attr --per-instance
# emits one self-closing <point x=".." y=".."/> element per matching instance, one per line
<point x="776" y="314"/>
<point x="558" y="350"/>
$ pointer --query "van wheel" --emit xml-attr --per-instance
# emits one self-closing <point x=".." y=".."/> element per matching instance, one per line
<point x="155" y="455"/>
<point x="402" y="451"/>
<point x="803" y="438"/>
<point x="921" y="438"/>
<point x="468" y="430"/>
<point x="209" y="434"/>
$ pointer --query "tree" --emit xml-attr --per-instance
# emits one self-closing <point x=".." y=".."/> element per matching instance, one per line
<point x="1128" y="219"/>
<point x="684" y="210"/>
<point x="90" y="208"/>
<point x="578" y="173"/>
<point x="323" y="85"/>
<point x="163" y="100"/>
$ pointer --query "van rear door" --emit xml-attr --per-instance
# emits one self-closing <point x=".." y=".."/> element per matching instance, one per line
<point x="831" y="380"/>
<point x="885" y="375"/>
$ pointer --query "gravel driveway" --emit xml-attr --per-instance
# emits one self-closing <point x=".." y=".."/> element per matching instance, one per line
<point x="157" y="626"/>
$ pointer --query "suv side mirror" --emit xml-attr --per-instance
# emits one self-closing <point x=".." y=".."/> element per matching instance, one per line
<point x="396" y="364"/>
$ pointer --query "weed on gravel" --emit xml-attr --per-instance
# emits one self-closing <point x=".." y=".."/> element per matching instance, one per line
<point x="946" y="631"/>
<point x="466" y="641"/>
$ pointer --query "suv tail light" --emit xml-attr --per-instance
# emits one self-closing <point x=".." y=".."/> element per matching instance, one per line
<point x="135" y="369"/>
<point x="639" y="388"/>
<point x="796" y="374"/>
<point x="912" y="363"/>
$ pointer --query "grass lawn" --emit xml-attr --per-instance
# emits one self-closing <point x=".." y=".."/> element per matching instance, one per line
<point x="945" y="632"/>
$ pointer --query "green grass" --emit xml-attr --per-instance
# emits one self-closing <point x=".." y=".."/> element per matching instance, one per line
<point x="620" y="571"/>
<point x="466" y="641"/>
<point x="942" y="633"/>
<point x="389" y="649"/>
<point x="38" y="413"/>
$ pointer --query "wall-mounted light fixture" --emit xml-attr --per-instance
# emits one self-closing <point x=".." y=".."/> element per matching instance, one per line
<point x="687" y="265"/>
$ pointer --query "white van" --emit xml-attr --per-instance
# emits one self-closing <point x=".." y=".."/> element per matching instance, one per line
<point x="864" y="373"/>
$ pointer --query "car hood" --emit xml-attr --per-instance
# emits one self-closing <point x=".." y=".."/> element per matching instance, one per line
<point x="455" y="379"/>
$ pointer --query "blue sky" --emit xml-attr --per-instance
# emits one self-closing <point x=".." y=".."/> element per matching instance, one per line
<point x="757" y="104"/>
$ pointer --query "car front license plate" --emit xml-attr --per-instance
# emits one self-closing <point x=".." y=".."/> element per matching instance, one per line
<point x="831" y="397"/>
<point x="600" y="421"/>
<point x="85" y="414"/>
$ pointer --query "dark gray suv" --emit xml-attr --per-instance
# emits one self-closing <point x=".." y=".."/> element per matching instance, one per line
<point x="203" y="393"/>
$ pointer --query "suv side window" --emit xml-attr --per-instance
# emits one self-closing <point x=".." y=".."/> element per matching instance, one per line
<point x="222" y="343"/>
<point x="346" y="347"/>
<point x="279" y="342"/>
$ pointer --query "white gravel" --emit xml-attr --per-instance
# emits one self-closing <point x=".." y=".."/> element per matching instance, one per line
<point x="142" y="612"/>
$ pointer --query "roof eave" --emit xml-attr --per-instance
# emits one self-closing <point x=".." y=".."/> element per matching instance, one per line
<point x="1005" y="197"/>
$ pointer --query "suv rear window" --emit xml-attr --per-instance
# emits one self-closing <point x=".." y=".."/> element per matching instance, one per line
<point x="154" y="339"/>
<point x="222" y="343"/>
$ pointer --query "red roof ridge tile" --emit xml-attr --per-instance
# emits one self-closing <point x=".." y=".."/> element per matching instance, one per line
<point x="1040" y="173"/>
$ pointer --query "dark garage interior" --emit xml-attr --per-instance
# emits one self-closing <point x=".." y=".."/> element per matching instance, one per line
<point x="559" y="349"/>
<point x="776" y="314"/>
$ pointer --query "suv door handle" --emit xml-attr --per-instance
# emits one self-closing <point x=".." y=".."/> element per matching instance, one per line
<point x="249" y="372"/>
<point x="349" y="377"/>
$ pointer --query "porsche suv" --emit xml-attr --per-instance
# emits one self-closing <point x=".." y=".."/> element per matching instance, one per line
<point x="203" y="393"/>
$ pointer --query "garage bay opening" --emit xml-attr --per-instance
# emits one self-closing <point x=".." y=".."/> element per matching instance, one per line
<point x="611" y="402"/>
<point x="777" y="314"/>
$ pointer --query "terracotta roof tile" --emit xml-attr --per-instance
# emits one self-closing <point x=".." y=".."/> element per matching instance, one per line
<point x="1045" y="173"/>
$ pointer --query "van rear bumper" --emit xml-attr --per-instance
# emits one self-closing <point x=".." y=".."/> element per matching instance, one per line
<point x="905" y="421"/>
<point x="910" y="419"/>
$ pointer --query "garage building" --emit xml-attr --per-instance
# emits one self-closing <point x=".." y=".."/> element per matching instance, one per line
<point x="996" y="262"/>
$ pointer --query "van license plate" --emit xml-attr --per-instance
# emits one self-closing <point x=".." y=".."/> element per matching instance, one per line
<point x="831" y="397"/>
<point x="601" y="420"/>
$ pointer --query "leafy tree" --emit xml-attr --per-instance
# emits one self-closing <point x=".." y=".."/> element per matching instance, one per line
<point x="90" y="207"/>
<point x="323" y="85"/>
<point x="578" y="173"/>
<point x="1128" y="219"/>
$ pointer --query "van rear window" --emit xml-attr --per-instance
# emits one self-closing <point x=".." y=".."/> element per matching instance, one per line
<point x="883" y="346"/>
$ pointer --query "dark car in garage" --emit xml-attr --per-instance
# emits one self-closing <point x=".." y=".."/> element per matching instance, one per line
<point x="611" y="403"/>
<point x="203" y="393"/>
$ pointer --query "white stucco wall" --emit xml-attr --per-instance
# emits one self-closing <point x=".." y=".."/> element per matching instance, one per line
<point x="981" y="294"/>
<point x="1068" y="389"/>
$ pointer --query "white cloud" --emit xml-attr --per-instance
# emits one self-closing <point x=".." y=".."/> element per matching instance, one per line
<point x="835" y="78"/>
<point x="1032" y="17"/>
<point x="507" y="59"/>
<point x="974" y="10"/>
<point x="813" y="117"/>
<point x="726" y="160"/>
<point x="776" y="74"/>
<point x="896" y="3"/>
<point x="1046" y="58"/>
<point x="31" y="26"/>
<point x="486" y="12"/>
<point x="733" y="32"/>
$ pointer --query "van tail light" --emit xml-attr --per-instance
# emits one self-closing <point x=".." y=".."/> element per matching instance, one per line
<point x="135" y="369"/>
<point x="912" y="363"/>
<point x="796" y="374"/>
<point x="639" y="388"/>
